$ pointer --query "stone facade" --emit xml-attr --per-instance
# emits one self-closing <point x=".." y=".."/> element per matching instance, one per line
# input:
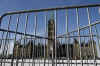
<point x="76" y="49"/>
<point x="23" y="51"/>
<point x="86" y="50"/>
<point x="51" y="38"/>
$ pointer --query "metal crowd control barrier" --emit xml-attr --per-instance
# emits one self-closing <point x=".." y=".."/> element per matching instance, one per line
<point x="62" y="36"/>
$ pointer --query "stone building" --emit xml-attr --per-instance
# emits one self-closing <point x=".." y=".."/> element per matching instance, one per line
<point x="51" y="37"/>
<point x="17" y="51"/>
<point x="28" y="49"/>
<point x="86" y="50"/>
<point x="65" y="50"/>
<point x="76" y="49"/>
<point x="92" y="49"/>
<point x="23" y="51"/>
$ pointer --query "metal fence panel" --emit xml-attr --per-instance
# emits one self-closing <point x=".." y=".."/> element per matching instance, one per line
<point x="62" y="36"/>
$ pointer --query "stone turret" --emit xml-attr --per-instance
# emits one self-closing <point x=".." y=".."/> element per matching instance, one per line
<point x="51" y="36"/>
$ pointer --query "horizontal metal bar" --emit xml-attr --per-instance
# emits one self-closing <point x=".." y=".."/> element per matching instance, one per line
<point x="49" y="9"/>
<point x="51" y="62"/>
<point x="76" y="36"/>
<point x="82" y="28"/>
<point x="40" y="36"/>
<point x="4" y="30"/>
<point x="6" y="39"/>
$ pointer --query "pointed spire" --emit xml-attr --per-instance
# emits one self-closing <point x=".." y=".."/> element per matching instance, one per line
<point x="52" y="16"/>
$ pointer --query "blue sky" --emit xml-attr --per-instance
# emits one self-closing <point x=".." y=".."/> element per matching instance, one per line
<point x="16" y="5"/>
<point x="13" y="5"/>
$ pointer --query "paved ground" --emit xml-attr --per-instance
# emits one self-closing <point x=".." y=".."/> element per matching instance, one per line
<point x="30" y="62"/>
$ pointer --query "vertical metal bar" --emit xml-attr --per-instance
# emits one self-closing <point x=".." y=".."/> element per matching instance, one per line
<point x="1" y="43"/>
<point x="53" y="52"/>
<point x="97" y="35"/>
<point x="31" y="52"/>
<point x="23" y="49"/>
<point x="84" y="49"/>
<point x="67" y="39"/>
<point x="73" y="54"/>
<point x="90" y="32"/>
<point x="8" y="39"/>
<point x="4" y="50"/>
<point x="38" y="51"/>
<point x="45" y="39"/>
<point x="1" y="47"/>
<point x="84" y="46"/>
<point x="73" y="33"/>
<point x="55" y="38"/>
<point x="8" y="47"/>
<point x="61" y="59"/>
<point x="78" y="27"/>
<point x="35" y="31"/>
<point x="48" y="59"/>
<point x="15" y="40"/>
<point x="39" y="47"/>
<point x="87" y="57"/>
<point x="59" y="50"/>
<point x="7" y="34"/>
<point x="16" y="35"/>
<point x="71" y="51"/>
